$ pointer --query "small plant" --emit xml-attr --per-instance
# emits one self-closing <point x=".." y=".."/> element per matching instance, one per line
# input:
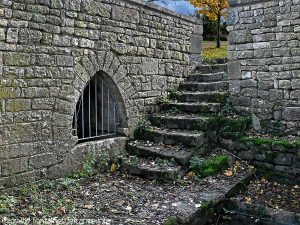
<point x="214" y="165"/>
<point x="87" y="169"/>
<point x="28" y="189"/>
<point x="67" y="183"/>
<point x="48" y="184"/>
<point x="7" y="202"/>
<point x="134" y="160"/>
<point x="161" y="99"/>
<point x="140" y="130"/>
<point x="196" y="164"/>
<point x="171" y="221"/>
<point x="161" y="163"/>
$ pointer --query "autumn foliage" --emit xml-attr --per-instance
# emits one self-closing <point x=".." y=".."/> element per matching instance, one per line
<point x="213" y="9"/>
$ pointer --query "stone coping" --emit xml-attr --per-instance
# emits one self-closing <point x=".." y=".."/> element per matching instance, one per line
<point x="245" y="2"/>
<point x="152" y="6"/>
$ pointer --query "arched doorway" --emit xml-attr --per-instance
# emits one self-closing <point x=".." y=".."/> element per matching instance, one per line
<point x="97" y="113"/>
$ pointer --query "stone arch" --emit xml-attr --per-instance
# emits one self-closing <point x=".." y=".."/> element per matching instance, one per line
<point x="108" y="67"/>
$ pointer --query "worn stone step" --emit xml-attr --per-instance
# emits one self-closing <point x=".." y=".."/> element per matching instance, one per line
<point x="174" y="137"/>
<point x="179" y="153"/>
<point x="191" y="107"/>
<point x="214" y="96"/>
<point x="157" y="169"/>
<point x="207" y="77"/>
<point x="206" y="69"/>
<point x="186" y="122"/>
<point x="210" y="86"/>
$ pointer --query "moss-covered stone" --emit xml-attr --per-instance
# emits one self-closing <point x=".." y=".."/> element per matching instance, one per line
<point x="265" y="141"/>
<point x="214" y="165"/>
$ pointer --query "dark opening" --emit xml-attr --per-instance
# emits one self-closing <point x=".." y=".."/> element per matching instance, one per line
<point x="96" y="111"/>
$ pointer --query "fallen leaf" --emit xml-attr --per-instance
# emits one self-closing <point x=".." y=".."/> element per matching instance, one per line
<point x="113" y="168"/>
<point x="228" y="173"/>
<point x="198" y="205"/>
<point x="88" y="206"/>
<point x="191" y="174"/>
<point x="129" y="208"/>
<point x="248" y="200"/>
<point x="61" y="211"/>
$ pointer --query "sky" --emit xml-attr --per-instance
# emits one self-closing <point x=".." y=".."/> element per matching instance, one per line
<point x="180" y="6"/>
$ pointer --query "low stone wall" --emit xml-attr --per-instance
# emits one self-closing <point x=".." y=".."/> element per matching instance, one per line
<point x="264" y="65"/>
<point x="273" y="155"/>
<point x="49" y="51"/>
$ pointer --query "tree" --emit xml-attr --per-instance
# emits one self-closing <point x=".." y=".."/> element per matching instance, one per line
<point x="214" y="10"/>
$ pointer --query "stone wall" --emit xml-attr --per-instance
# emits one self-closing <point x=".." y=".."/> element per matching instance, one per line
<point x="49" y="51"/>
<point x="264" y="65"/>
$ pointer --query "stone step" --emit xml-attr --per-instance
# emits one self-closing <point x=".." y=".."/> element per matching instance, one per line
<point x="208" y="77"/>
<point x="158" y="169"/>
<point x="206" y="69"/>
<point x="174" y="137"/>
<point x="186" y="122"/>
<point x="214" y="96"/>
<point x="147" y="149"/>
<point x="211" y="86"/>
<point x="191" y="107"/>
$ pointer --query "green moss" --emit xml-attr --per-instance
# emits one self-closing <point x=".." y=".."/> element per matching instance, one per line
<point x="256" y="141"/>
<point x="214" y="165"/>
<point x="264" y="141"/>
<point x="211" y="53"/>
<point x="171" y="221"/>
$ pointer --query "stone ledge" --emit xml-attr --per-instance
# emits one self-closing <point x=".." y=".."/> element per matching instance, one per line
<point x="275" y="216"/>
<point x="233" y="3"/>
<point x="165" y="11"/>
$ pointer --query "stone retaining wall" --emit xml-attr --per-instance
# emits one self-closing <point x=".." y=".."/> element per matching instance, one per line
<point x="49" y="51"/>
<point x="264" y="65"/>
<point x="273" y="155"/>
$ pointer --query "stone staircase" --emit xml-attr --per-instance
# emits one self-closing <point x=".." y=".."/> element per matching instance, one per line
<point x="163" y="148"/>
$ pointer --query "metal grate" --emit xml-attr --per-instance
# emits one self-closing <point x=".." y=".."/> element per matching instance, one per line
<point x="96" y="111"/>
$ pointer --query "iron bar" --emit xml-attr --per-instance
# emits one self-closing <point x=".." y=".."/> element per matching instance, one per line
<point x="102" y="106"/>
<point x="90" y="127"/>
<point x="82" y="114"/>
<point x="96" y="106"/>
<point x="90" y="115"/>
<point x="108" y="105"/>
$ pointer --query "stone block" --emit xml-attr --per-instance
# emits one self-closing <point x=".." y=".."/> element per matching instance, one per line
<point x="125" y="14"/>
<point x="16" y="59"/>
<point x="285" y="84"/>
<point x="27" y="36"/>
<point x="149" y="66"/>
<point x="234" y="70"/>
<point x="291" y="113"/>
<point x="43" y="160"/>
<point x="240" y="37"/>
<point x="15" y="105"/>
<point x="195" y="44"/>
<point x="12" y="166"/>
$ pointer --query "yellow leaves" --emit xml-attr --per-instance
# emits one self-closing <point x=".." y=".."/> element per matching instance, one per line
<point x="88" y="207"/>
<point x="61" y="211"/>
<point x="113" y="168"/>
<point x="228" y="173"/>
<point x="191" y="174"/>
<point x="248" y="200"/>
<point x="233" y="170"/>
<point x="213" y="9"/>
<point x="236" y="166"/>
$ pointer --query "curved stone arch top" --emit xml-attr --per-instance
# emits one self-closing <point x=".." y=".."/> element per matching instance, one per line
<point x="108" y="66"/>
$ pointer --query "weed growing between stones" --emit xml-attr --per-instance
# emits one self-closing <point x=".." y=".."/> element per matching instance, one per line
<point x="143" y="126"/>
<point x="171" y="221"/>
<point x="7" y="202"/>
<point x="208" y="167"/>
